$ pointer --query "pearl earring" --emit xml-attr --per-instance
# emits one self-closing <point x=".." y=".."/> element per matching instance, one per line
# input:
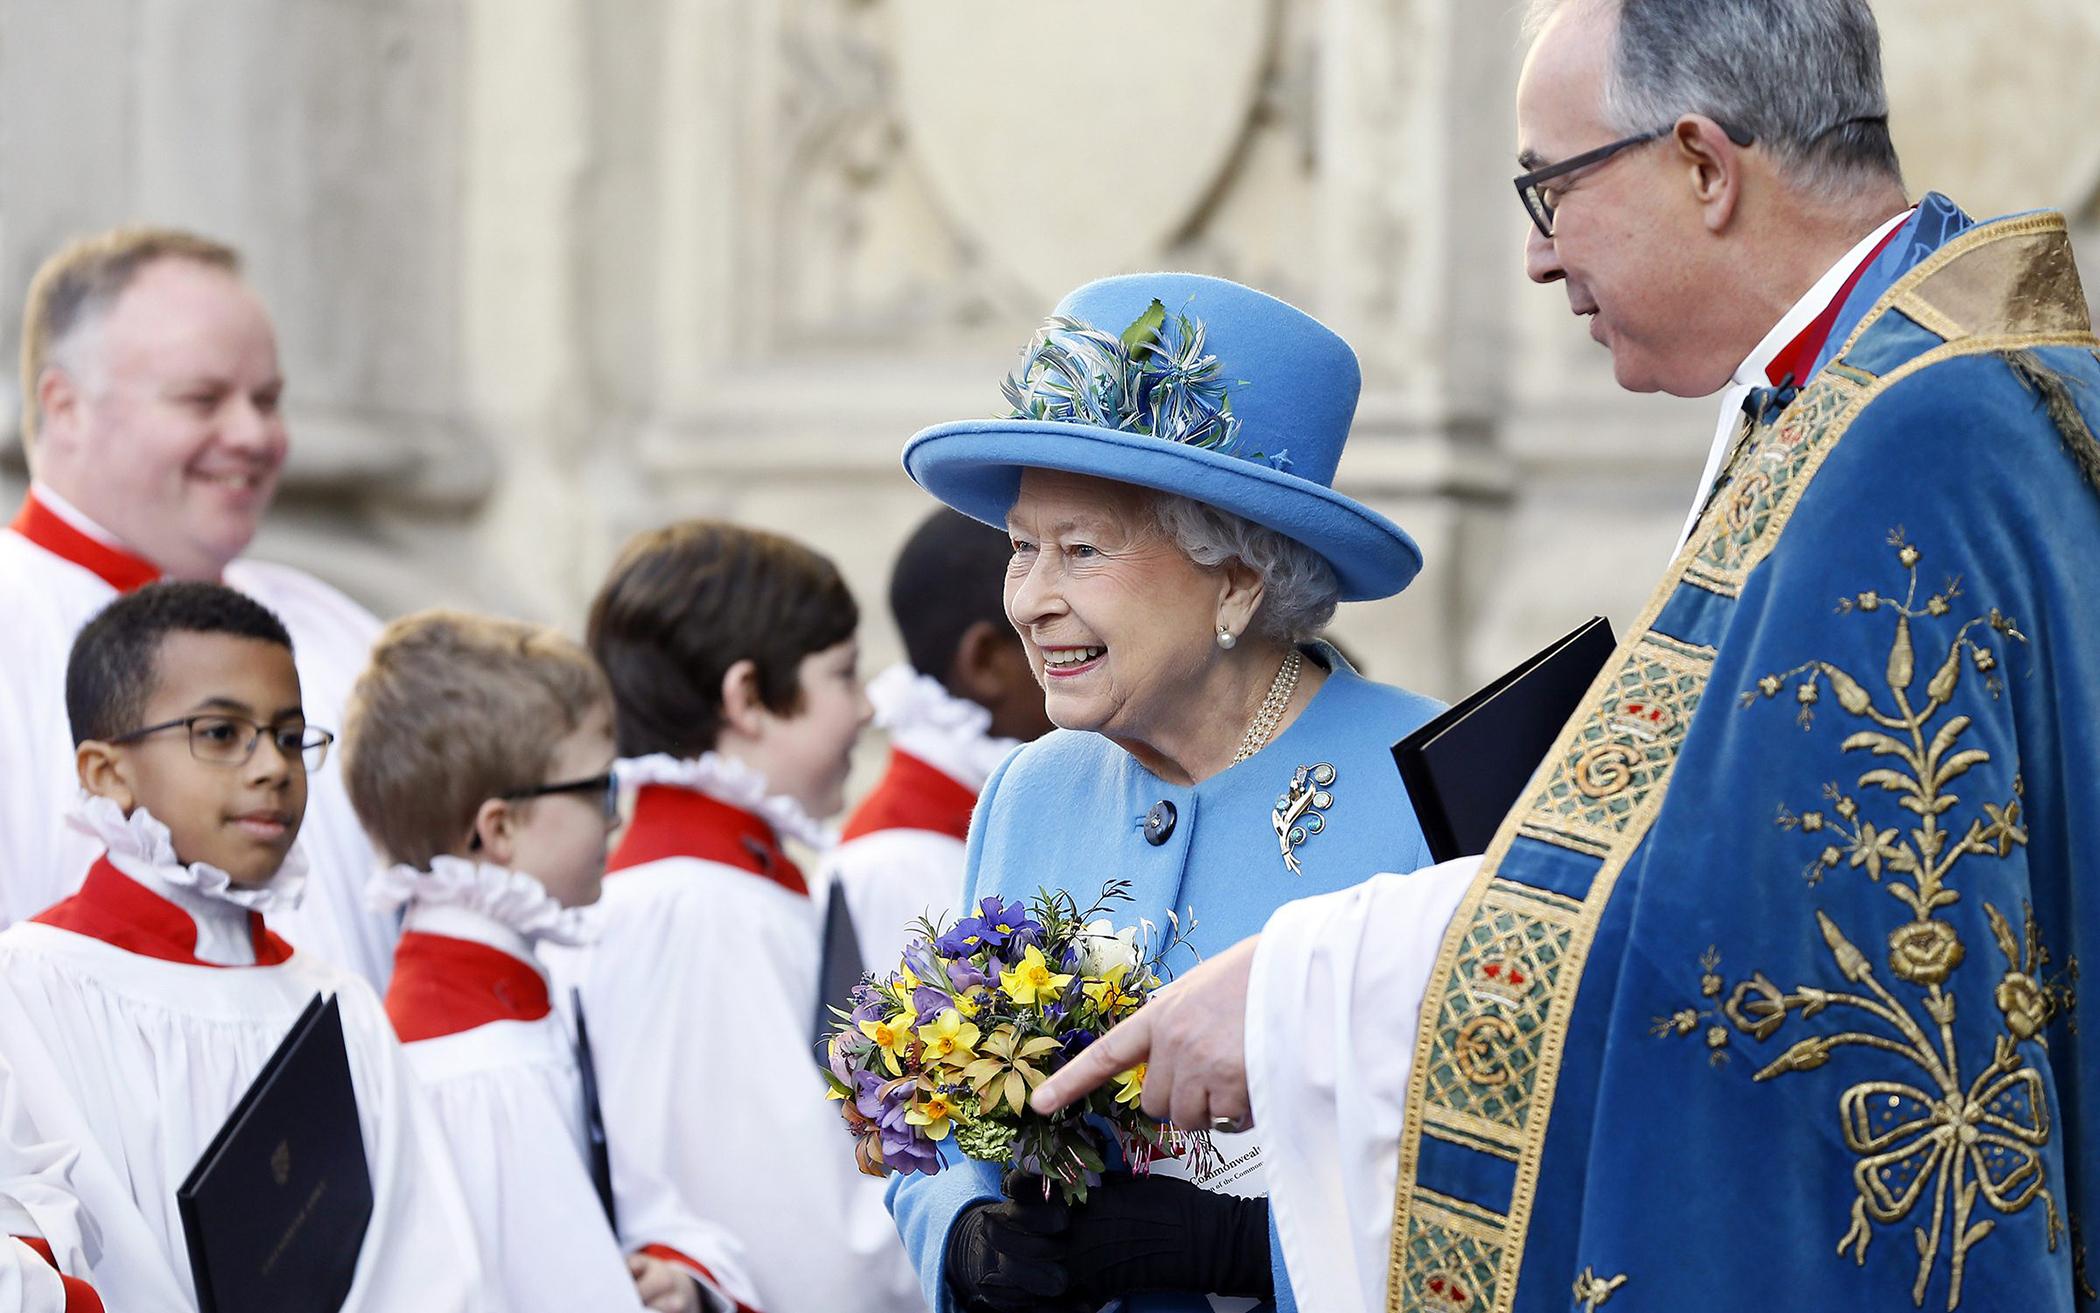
<point x="1226" y="638"/>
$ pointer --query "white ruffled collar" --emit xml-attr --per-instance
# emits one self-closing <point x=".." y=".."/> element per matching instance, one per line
<point x="725" y="779"/>
<point x="141" y="847"/>
<point x="511" y="899"/>
<point x="948" y="733"/>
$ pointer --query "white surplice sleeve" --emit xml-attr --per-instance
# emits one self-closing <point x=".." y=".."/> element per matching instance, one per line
<point x="1332" y="1014"/>
<point x="419" y="1250"/>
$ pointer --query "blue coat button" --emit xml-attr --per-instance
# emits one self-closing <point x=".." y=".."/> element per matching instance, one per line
<point x="1159" y="823"/>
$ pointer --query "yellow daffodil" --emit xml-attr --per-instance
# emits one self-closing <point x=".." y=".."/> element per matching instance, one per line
<point x="933" y="1112"/>
<point x="1108" y="994"/>
<point x="893" y="1037"/>
<point x="1130" y="1085"/>
<point x="950" y="1039"/>
<point x="1030" y="980"/>
<point x="970" y="1000"/>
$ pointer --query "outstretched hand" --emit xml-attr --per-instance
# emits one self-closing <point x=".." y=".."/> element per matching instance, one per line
<point x="1192" y="1041"/>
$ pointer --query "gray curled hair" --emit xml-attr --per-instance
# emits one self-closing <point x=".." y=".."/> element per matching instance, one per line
<point x="1299" y="587"/>
<point x="1801" y="75"/>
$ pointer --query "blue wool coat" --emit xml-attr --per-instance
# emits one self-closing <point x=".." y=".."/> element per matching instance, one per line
<point x="1070" y="811"/>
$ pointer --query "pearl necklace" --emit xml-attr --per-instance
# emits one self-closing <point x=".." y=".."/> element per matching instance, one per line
<point x="1280" y="690"/>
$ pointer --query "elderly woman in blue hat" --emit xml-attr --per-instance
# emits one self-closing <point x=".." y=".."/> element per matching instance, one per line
<point x="1166" y="477"/>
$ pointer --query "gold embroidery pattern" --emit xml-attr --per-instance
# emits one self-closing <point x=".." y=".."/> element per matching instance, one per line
<point x="1592" y="1292"/>
<point x="1962" y="1141"/>
<point x="1748" y="509"/>
<point x="1455" y="1259"/>
<point x="1495" y="1006"/>
<point x="1626" y="745"/>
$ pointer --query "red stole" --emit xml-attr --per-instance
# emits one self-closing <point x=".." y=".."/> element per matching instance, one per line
<point x="49" y="530"/>
<point x="1797" y="359"/>
<point x="912" y="795"/>
<point x="442" y="986"/>
<point x="118" y="910"/>
<point x="674" y="822"/>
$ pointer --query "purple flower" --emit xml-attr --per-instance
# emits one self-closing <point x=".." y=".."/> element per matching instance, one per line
<point x="962" y="939"/>
<point x="867" y="1094"/>
<point x="930" y="1003"/>
<point x="964" y="977"/>
<point x="1003" y="923"/>
<point x="1072" y="1041"/>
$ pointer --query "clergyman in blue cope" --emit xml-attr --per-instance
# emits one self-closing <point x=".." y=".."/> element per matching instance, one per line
<point x="1165" y="468"/>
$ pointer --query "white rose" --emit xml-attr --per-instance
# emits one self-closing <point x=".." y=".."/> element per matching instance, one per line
<point x="1103" y="948"/>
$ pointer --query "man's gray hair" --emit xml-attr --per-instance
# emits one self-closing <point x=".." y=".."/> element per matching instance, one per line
<point x="1803" y="76"/>
<point x="1299" y="588"/>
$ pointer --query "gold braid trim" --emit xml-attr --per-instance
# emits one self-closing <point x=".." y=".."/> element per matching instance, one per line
<point x="2012" y="285"/>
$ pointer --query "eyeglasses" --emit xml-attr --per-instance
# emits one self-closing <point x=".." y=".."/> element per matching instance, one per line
<point x="606" y="786"/>
<point x="1538" y="201"/>
<point x="230" y="740"/>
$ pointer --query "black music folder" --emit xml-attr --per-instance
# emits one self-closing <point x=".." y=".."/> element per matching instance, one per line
<point x="839" y="967"/>
<point x="1466" y="769"/>
<point x="275" y="1210"/>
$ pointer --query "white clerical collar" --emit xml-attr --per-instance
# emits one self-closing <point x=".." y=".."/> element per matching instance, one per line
<point x="1754" y="372"/>
<point x="948" y="733"/>
<point x="142" y="849"/>
<point x="74" y="516"/>
<point x="489" y="904"/>
<point x="727" y="780"/>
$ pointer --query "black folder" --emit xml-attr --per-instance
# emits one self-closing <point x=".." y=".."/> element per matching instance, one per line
<point x="839" y="967"/>
<point x="275" y="1210"/>
<point x="1466" y="769"/>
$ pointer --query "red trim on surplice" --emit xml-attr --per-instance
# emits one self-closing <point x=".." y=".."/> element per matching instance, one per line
<point x="118" y="910"/>
<point x="673" y="822"/>
<point x="48" y="529"/>
<point x="80" y="1296"/>
<point x="669" y="1255"/>
<point x="442" y="986"/>
<point x="912" y="795"/>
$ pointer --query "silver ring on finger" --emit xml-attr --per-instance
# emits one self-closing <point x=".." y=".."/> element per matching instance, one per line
<point x="1228" y="1125"/>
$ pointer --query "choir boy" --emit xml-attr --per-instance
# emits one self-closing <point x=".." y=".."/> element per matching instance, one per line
<point x="736" y="698"/>
<point x="136" y="1012"/>
<point x="479" y="756"/>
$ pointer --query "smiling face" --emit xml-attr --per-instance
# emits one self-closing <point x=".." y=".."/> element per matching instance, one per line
<point x="161" y="420"/>
<point x="1628" y="239"/>
<point x="241" y="818"/>
<point x="1118" y="622"/>
<point x="560" y="838"/>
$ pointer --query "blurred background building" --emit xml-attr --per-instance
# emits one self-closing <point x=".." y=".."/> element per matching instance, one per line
<point x="546" y="272"/>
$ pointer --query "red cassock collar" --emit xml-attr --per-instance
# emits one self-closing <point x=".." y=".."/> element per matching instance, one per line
<point x="80" y="1296"/>
<point x="674" y="822"/>
<point x="912" y="795"/>
<point x="116" y="567"/>
<point x="118" y="910"/>
<point x="442" y="986"/>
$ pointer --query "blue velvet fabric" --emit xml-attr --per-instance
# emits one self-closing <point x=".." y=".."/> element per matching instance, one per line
<point x="1714" y="1149"/>
<point x="1068" y="811"/>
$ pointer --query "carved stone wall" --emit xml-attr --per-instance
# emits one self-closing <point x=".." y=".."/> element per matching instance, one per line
<point x="551" y="271"/>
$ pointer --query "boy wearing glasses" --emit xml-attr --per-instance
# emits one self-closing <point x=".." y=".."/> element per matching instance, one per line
<point x="136" y="1012"/>
<point x="479" y="757"/>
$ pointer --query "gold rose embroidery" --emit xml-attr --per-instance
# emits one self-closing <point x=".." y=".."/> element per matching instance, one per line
<point x="1957" y="1143"/>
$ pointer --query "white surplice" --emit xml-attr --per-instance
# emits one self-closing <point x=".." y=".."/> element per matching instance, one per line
<point x="508" y="1098"/>
<point x="136" y="1059"/>
<point x="700" y="994"/>
<point x="37" y="1202"/>
<point x="46" y="599"/>
<point x="900" y="861"/>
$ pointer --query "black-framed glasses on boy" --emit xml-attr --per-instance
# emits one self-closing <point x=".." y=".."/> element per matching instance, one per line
<point x="225" y="740"/>
<point x="606" y="786"/>
<point x="1538" y="197"/>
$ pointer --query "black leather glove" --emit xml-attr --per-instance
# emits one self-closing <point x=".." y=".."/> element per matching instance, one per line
<point x="1009" y="1257"/>
<point x="1162" y="1233"/>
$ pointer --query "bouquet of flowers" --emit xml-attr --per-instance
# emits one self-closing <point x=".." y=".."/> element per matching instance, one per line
<point x="977" y="1015"/>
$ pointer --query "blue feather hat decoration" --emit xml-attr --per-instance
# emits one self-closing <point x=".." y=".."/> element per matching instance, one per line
<point x="1190" y="385"/>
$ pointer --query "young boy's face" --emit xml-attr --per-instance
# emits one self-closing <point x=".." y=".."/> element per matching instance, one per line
<point x="807" y="754"/>
<point x="560" y="838"/>
<point x="238" y="816"/>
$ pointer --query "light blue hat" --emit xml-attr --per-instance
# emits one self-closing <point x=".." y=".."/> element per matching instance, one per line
<point x="1189" y="385"/>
